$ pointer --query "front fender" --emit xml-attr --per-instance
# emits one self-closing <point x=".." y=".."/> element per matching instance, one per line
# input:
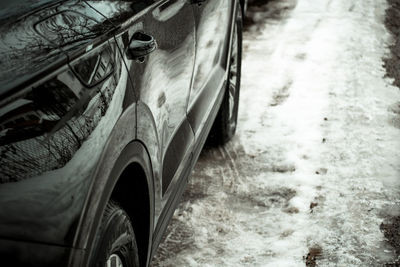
<point x="123" y="133"/>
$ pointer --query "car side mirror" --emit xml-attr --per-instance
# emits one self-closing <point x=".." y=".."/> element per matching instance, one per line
<point x="140" y="46"/>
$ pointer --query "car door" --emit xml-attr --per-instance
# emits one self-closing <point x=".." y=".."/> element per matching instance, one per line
<point x="162" y="83"/>
<point x="212" y="18"/>
<point x="161" y="80"/>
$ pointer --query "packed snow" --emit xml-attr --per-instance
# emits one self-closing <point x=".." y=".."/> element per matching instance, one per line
<point x="314" y="168"/>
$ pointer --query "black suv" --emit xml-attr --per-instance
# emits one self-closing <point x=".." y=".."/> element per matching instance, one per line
<point x="105" y="106"/>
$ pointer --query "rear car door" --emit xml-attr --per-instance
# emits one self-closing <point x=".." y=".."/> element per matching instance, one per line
<point x="212" y="18"/>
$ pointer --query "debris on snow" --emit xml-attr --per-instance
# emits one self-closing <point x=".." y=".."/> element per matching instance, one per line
<point x="321" y="171"/>
<point x="312" y="256"/>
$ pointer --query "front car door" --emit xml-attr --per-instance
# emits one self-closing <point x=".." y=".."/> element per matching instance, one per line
<point x="161" y="82"/>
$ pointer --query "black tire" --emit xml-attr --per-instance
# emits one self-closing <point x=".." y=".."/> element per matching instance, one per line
<point x="116" y="240"/>
<point x="224" y="126"/>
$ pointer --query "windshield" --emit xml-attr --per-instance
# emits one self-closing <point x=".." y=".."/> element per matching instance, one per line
<point x="13" y="8"/>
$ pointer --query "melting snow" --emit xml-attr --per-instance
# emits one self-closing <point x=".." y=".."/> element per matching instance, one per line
<point x="315" y="162"/>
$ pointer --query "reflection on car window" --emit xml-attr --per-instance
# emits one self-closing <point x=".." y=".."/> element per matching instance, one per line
<point x="95" y="68"/>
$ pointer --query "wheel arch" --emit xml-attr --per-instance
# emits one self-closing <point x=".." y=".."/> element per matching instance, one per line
<point x="137" y="204"/>
<point x="130" y="184"/>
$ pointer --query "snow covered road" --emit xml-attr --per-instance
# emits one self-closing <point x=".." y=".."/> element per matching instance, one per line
<point x="314" y="169"/>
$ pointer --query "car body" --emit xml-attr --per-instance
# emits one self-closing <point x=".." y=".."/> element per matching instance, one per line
<point x="103" y="100"/>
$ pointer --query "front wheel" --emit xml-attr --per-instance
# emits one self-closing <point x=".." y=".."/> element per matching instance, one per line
<point x="116" y="243"/>
<point x="224" y="126"/>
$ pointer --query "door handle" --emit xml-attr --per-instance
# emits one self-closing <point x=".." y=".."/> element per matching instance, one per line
<point x="140" y="46"/>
